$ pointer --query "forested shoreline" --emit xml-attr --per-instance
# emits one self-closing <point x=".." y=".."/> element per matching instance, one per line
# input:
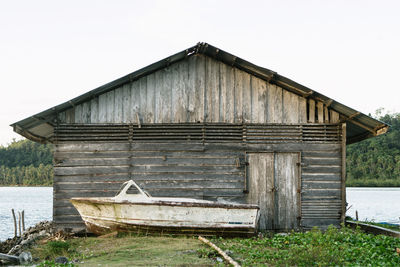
<point x="372" y="162"/>
<point x="376" y="161"/>
<point x="26" y="163"/>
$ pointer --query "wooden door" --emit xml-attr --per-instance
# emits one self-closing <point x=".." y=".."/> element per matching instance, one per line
<point x="273" y="184"/>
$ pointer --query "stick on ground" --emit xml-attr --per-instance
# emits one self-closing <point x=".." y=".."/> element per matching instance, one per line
<point x="223" y="254"/>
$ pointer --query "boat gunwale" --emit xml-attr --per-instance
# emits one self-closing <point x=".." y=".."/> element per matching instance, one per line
<point x="166" y="203"/>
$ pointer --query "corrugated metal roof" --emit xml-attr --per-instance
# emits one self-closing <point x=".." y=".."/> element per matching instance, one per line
<point x="39" y="127"/>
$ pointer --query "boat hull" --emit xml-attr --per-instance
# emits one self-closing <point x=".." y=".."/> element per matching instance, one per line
<point x="105" y="215"/>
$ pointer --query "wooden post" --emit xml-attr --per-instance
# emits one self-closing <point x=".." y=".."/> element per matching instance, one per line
<point x="19" y="223"/>
<point x="343" y="172"/>
<point x="15" y="223"/>
<point x="23" y="221"/>
<point x="356" y="215"/>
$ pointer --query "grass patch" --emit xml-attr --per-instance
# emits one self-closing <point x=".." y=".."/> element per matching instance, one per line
<point x="335" y="247"/>
<point x="125" y="250"/>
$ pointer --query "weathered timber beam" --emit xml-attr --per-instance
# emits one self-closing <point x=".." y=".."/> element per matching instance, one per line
<point x="292" y="88"/>
<point x="328" y="102"/>
<point x="381" y="130"/>
<point x="30" y="135"/>
<point x="40" y="120"/>
<point x="352" y="116"/>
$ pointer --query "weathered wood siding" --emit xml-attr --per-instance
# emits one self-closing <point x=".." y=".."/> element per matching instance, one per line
<point x="199" y="89"/>
<point x="205" y="161"/>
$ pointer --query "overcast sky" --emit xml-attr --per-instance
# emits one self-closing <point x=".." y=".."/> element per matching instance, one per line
<point x="53" y="51"/>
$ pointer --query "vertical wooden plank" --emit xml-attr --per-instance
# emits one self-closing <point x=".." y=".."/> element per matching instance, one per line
<point x="210" y="90"/>
<point x="302" y="110"/>
<point x="215" y="90"/>
<point x="269" y="197"/>
<point x="343" y="150"/>
<point x="176" y="93"/>
<point x="326" y="114"/>
<point x="150" y="98"/>
<point x="227" y="93"/>
<point x="94" y="110"/>
<point x="223" y="93"/>
<point x="102" y="108"/>
<point x="311" y="110"/>
<point x="179" y="77"/>
<point x="126" y="104"/>
<point x="246" y="98"/>
<point x="61" y="117"/>
<point x="135" y="101"/>
<point x="70" y="115"/>
<point x="290" y="107"/>
<point x="200" y="89"/>
<point x="286" y="180"/>
<point x="184" y="84"/>
<point x="82" y="113"/>
<point x="86" y="112"/>
<point x="320" y="110"/>
<point x="191" y="89"/>
<point x="78" y="114"/>
<point x="261" y="184"/>
<point x="118" y="106"/>
<point x="195" y="88"/>
<point x="230" y="92"/>
<point x="158" y="80"/>
<point x="334" y="116"/>
<point x="254" y="85"/>
<point x="262" y="101"/>
<point x="275" y="102"/>
<point x="110" y="106"/>
<point x="143" y="99"/>
<point x="165" y="111"/>
<point x="238" y="95"/>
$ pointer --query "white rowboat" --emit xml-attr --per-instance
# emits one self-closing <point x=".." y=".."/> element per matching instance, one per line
<point x="143" y="213"/>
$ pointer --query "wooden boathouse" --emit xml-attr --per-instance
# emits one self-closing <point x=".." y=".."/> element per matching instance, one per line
<point x="205" y="124"/>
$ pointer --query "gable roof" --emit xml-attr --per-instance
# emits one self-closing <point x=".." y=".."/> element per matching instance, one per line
<point x="39" y="127"/>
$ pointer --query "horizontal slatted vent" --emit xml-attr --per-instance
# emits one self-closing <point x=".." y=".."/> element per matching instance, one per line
<point x="321" y="133"/>
<point x="92" y="132"/>
<point x="167" y="133"/>
<point x="273" y="133"/>
<point x="199" y="133"/>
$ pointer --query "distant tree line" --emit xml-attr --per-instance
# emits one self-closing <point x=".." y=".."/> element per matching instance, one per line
<point x="26" y="163"/>
<point x="376" y="161"/>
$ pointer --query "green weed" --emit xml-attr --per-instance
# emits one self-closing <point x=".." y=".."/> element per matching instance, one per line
<point x="334" y="247"/>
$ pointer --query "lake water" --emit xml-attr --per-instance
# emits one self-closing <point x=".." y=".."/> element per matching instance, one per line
<point x="37" y="202"/>
<point x="372" y="204"/>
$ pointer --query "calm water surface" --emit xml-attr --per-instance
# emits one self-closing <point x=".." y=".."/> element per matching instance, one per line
<point x="378" y="204"/>
<point x="372" y="204"/>
<point x="36" y="201"/>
